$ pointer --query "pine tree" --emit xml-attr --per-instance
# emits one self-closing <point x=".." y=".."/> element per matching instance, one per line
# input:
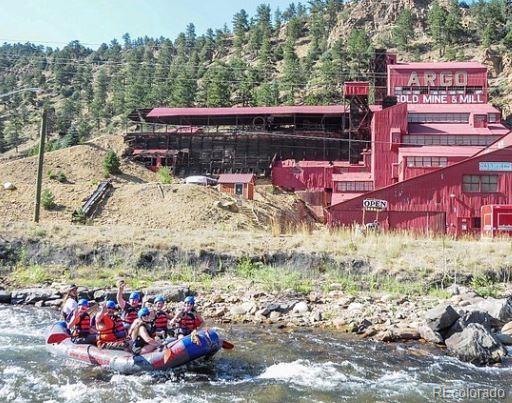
<point x="71" y="138"/>
<point x="217" y="86"/>
<point x="190" y="38"/>
<point x="240" y="27"/>
<point x="454" y="30"/>
<point x="292" y="74"/>
<point x="403" y="31"/>
<point x="267" y="94"/>
<point x="359" y="52"/>
<point x="184" y="88"/>
<point x="436" y="21"/>
<point x="278" y="19"/>
<point x="100" y="96"/>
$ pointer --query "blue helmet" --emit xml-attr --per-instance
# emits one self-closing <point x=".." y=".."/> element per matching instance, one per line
<point x="159" y="298"/>
<point x="143" y="312"/>
<point x="190" y="300"/>
<point x="83" y="302"/>
<point x="110" y="304"/>
<point x="135" y="295"/>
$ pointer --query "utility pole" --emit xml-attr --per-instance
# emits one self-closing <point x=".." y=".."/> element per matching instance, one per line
<point x="40" y="166"/>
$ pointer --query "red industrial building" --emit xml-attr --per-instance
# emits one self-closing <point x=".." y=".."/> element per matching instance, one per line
<point x="433" y="148"/>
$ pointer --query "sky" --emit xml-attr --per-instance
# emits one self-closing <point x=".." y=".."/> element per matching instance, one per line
<point x="57" y="22"/>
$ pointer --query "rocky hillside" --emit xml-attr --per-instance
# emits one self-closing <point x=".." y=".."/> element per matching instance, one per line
<point x="301" y="55"/>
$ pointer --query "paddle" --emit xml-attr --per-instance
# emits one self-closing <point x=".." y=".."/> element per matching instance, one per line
<point x="227" y="345"/>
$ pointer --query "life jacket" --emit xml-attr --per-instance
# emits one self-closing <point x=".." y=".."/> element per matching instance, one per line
<point x="111" y="328"/>
<point x="190" y="321"/>
<point x="161" y="321"/>
<point x="83" y="327"/>
<point x="130" y="313"/>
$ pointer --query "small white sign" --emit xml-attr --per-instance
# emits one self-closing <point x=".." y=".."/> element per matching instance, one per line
<point x="375" y="204"/>
<point x="496" y="166"/>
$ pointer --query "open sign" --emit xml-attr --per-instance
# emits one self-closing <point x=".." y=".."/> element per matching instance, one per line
<point x="375" y="204"/>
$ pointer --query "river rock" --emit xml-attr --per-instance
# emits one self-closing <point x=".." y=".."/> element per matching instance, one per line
<point x="106" y="295"/>
<point x="275" y="316"/>
<point x="316" y="316"/>
<point x="237" y="310"/>
<point x="32" y="295"/>
<point x="441" y="317"/>
<point x="301" y="308"/>
<point x="500" y="309"/>
<point x="507" y="328"/>
<point x="172" y="293"/>
<point x="269" y="309"/>
<point x="427" y="334"/>
<point x="505" y="339"/>
<point x="355" y="307"/>
<point x="483" y="318"/>
<point x="475" y="344"/>
<point x="5" y="297"/>
<point x="54" y="303"/>
<point x="362" y="326"/>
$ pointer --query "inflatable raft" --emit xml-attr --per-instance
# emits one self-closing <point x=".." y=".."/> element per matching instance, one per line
<point x="179" y="352"/>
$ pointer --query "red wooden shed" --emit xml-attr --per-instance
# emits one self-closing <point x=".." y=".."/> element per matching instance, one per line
<point x="238" y="185"/>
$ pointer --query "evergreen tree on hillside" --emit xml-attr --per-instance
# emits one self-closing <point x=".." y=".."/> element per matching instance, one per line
<point x="240" y="27"/>
<point x="292" y="74"/>
<point x="208" y="49"/>
<point x="66" y="114"/>
<point x="184" y="87"/>
<point x="267" y="94"/>
<point x="359" y="53"/>
<point x="278" y="19"/>
<point x="99" y="104"/>
<point x="190" y="38"/>
<point x="217" y="86"/>
<point x="71" y="138"/>
<point x="454" y="29"/>
<point x="403" y="31"/>
<point x="436" y="22"/>
<point x="13" y="131"/>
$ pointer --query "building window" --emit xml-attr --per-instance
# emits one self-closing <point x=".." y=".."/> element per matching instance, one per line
<point x="354" y="187"/>
<point x="427" y="162"/>
<point x="443" y="140"/>
<point x="438" y="117"/>
<point x="476" y="222"/>
<point x="480" y="183"/>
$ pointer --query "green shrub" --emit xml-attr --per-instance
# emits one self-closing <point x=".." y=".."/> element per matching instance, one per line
<point x="111" y="163"/>
<point x="165" y="176"/>
<point x="48" y="199"/>
<point x="59" y="177"/>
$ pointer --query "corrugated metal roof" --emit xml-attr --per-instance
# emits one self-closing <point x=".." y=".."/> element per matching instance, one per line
<point x="437" y="65"/>
<point x="352" y="177"/>
<point x="455" y="129"/>
<point x="452" y="108"/>
<point x="235" y="178"/>
<point x="439" y="151"/>
<point x="249" y="111"/>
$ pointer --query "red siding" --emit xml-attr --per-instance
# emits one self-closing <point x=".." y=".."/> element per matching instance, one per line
<point x="383" y="156"/>
<point x="440" y="191"/>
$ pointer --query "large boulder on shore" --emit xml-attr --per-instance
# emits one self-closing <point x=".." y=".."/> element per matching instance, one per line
<point x="477" y="345"/>
<point x="172" y="293"/>
<point x="482" y="318"/>
<point x="441" y="317"/>
<point x="500" y="309"/>
<point x="31" y="296"/>
<point x="5" y="297"/>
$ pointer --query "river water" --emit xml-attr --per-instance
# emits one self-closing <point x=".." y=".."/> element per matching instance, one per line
<point x="266" y="366"/>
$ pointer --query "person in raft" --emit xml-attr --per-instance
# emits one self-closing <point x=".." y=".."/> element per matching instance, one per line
<point x="70" y="302"/>
<point x="111" y="331"/>
<point x="80" y="324"/>
<point x="161" y="318"/>
<point x="129" y="308"/>
<point x="187" y="320"/>
<point x="140" y="333"/>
